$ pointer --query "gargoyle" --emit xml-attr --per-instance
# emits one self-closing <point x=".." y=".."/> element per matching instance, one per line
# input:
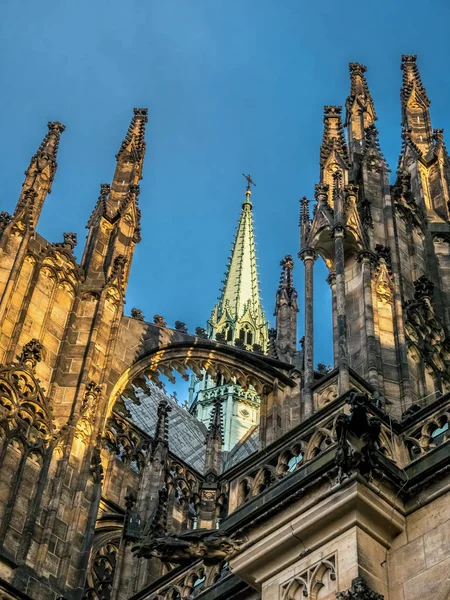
<point x="209" y="544"/>
<point x="358" y="437"/>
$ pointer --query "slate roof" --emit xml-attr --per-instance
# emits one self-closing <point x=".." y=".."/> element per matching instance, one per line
<point x="246" y="446"/>
<point x="186" y="433"/>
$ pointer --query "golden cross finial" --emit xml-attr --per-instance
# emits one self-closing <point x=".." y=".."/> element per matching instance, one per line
<point x="249" y="181"/>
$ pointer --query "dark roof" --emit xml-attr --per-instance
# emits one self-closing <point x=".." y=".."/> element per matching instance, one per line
<point x="186" y="433"/>
<point x="246" y="446"/>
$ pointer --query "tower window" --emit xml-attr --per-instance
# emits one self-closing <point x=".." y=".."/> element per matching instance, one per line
<point x="229" y="334"/>
<point x="249" y="338"/>
<point x="242" y="335"/>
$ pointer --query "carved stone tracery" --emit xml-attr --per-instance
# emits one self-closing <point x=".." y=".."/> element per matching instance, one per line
<point x="309" y="583"/>
<point x="24" y="410"/>
<point x="424" y="330"/>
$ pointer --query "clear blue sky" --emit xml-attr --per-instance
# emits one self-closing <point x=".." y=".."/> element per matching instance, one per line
<point x="231" y="87"/>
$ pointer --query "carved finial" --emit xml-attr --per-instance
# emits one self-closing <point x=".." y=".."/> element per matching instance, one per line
<point x="215" y="424"/>
<point x="105" y="188"/>
<point x="304" y="210"/>
<point x="321" y="192"/>
<point x="91" y="395"/>
<point x="181" y="327"/>
<point x="47" y="151"/>
<point x="258" y="349"/>
<point x="159" y="321"/>
<point x="359" y="90"/>
<point x="438" y="136"/>
<point x="240" y="344"/>
<point x="31" y="354"/>
<point x="337" y="183"/>
<point x="333" y="135"/>
<point x="70" y="239"/>
<point x="201" y="332"/>
<point x="133" y="146"/>
<point x="162" y="426"/>
<point x="411" y="78"/>
<point x="287" y="264"/>
<point x="5" y="220"/>
<point x="136" y="313"/>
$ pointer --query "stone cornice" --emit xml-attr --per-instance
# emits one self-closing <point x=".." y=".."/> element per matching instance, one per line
<point x="352" y="505"/>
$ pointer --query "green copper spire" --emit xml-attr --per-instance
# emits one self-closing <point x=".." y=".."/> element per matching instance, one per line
<point x="239" y="314"/>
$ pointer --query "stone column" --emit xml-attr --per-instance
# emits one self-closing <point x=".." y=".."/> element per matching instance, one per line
<point x="342" y="361"/>
<point x="331" y="280"/>
<point x="308" y="256"/>
<point x="366" y="258"/>
<point x="339" y="257"/>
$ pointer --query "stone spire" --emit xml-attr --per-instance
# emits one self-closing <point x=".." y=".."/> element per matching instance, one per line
<point x="286" y="310"/>
<point x="161" y="436"/>
<point x="416" y="120"/>
<point x="130" y="162"/>
<point x="114" y="225"/>
<point x="333" y="150"/>
<point x="239" y="313"/>
<point x="360" y="109"/>
<point x="333" y="138"/>
<point x="214" y="440"/>
<point x="39" y="176"/>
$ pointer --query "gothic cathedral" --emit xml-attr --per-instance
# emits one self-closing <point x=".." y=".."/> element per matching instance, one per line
<point x="277" y="480"/>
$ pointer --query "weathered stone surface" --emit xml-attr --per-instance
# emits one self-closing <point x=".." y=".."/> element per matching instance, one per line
<point x="325" y="497"/>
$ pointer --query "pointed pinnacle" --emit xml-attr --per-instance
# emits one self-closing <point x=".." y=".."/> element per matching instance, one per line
<point x="133" y="146"/>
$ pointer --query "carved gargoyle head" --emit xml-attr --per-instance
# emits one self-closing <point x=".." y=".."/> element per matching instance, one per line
<point x="212" y="545"/>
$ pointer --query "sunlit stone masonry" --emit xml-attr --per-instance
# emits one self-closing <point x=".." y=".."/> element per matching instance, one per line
<point x="274" y="478"/>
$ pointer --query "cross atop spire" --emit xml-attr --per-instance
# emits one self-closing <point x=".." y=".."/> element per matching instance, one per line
<point x="249" y="181"/>
<point x="248" y="191"/>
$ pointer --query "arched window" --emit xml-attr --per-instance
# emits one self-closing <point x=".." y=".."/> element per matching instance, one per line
<point x="249" y="338"/>
<point x="439" y="434"/>
<point x="295" y="460"/>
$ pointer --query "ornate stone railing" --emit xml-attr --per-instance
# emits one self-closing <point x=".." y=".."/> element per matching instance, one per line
<point x="188" y="582"/>
<point x="419" y="432"/>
